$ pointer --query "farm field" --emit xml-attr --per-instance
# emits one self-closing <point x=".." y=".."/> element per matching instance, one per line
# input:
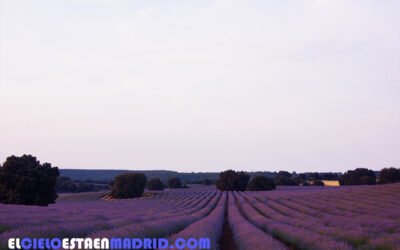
<point x="351" y="217"/>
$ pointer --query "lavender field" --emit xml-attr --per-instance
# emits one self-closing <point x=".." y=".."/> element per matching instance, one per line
<point x="352" y="217"/>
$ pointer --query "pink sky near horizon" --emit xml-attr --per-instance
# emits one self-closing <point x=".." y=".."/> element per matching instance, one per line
<point x="204" y="86"/>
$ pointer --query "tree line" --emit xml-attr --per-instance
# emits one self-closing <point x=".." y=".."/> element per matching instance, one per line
<point x="24" y="180"/>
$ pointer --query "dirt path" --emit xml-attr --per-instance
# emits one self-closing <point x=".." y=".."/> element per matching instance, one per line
<point x="227" y="240"/>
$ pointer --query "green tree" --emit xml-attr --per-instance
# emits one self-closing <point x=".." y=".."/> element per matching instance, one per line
<point x="128" y="185"/>
<point x="284" y="173"/>
<point x="231" y="180"/>
<point x="155" y="184"/>
<point x="261" y="183"/>
<point x="317" y="183"/>
<point x="314" y="176"/>
<point x="284" y="178"/>
<point x="389" y="175"/>
<point x="352" y="177"/>
<point x="367" y="180"/>
<point x="330" y="176"/>
<point x="174" y="182"/>
<point x="23" y="180"/>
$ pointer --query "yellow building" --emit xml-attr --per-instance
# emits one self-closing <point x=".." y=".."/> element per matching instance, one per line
<point x="331" y="183"/>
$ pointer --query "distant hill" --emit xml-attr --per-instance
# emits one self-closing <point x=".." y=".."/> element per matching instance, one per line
<point x="164" y="175"/>
<point x="108" y="175"/>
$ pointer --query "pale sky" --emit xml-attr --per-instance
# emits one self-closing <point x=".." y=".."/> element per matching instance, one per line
<point x="205" y="85"/>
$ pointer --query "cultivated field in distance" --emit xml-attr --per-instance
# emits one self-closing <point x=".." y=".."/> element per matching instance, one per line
<point x="350" y="217"/>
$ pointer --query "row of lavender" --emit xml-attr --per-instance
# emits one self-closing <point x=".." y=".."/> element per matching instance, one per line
<point x="157" y="216"/>
<point x="341" y="218"/>
<point x="344" y="218"/>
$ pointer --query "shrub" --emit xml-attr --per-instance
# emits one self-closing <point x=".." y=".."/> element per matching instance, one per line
<point x="261" y="183"/>
<point x="231" y="180"/>
<point x="128" y="185"/>
<point x="155" y="184"/>
<point x="174" y="182"/>
<point x="389" y="175"/>
<point x="352" y="177"/>
<point x="23" y="180"/>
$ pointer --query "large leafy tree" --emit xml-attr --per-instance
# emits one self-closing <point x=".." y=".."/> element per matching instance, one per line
<point x="155" y="184"/>
<point x="389" y="175"/>
<point x="174" y="182"/>
<point x="314" y="176"/>
<point x="284" y="178"/>
<point x="129" y="186"/>
<point x="330" y="176"/>
<point x="23" y="180"/>
<point x="358" y="176"/>
<point x="231" y="180"/>
<point x="261" y="183"/>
